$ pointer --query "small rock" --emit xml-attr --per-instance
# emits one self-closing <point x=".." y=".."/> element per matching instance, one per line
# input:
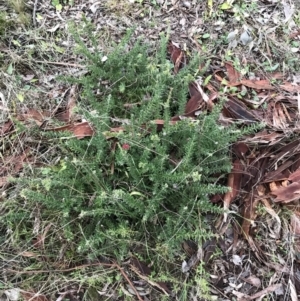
<point x="245" y="38"/>
<point x="187" y="4"/>
<point x="231" y="36"/>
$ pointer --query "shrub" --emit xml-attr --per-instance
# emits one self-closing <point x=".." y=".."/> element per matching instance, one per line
<point x="141" y="186"/>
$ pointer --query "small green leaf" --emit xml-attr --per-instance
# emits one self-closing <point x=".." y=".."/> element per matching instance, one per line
<point x="10" y="69"/>
<point x="58" y="7"/>
<point x="20" y="97"/>
<point x="224" y="82"/>
<point x="243" y="92"/>
<point x="47" y="184"/>
<point x="59" y="49"/>
<point x="207" y="79"/>
<point x="274" y="67"/>
<point x="206" y="36"/>
<point x="16" y="43"/>
<point x="122" y="88"/>
<point x="225" y="6"/>
<point x="137" y="193"/>
<point x="46" y="170"/>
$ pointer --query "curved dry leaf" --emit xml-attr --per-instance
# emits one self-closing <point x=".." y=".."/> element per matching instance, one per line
<point x="35" y="115"/>
<point x="295" y="176"/>
<point x="253" y="280"/>
<point x="266" y="291"/>
<point x="287" y="194"/>
<point x="290" y="87"/>
<point x="273" y="186"/>
<point x="257" y="84"/>
<point x="177" y="55"/>
<point x="80" y="130"/>
<point x="233" y="75"/>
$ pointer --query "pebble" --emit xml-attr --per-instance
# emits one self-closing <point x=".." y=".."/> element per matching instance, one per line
<point x="187" y="4"/>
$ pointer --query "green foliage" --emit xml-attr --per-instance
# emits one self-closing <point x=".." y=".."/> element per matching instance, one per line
<point x="22" y="16"/>
<point x="4" y="23"/>
<point x="143" y="185"/>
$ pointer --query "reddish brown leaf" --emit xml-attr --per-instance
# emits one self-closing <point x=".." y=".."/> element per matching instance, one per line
<point x="177" y="56"/>
<point x="193" y="104"/>
<point x="276" y="75"/>
<point x="295" y="176"/>
<point x="233" y="75"/>
<point x="253" y="280"/>
<point x="35" y="115"/>
<point x="289" y="87"/>
<point x="273" y="186"/>
<point x="193" y="90"/>
<point x="257" y="84"/>
<point x="287" y="194"/>
<point x="6" y="128"/>
<point x="83" y="129"/>
<point x="280" y="174"/>
<point x="140" y="266"/>
<point x="240" y="149"/>
<point x="222" y="80"/>
<point x="80" y="130"/>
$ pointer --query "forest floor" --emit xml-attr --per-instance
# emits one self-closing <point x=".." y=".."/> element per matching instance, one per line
<point x="254" y="52"/>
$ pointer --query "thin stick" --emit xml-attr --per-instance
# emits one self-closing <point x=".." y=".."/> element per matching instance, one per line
<point x="129" y="281"/>
<point x="34" y="13"/>
<point x="61" y="64"/>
